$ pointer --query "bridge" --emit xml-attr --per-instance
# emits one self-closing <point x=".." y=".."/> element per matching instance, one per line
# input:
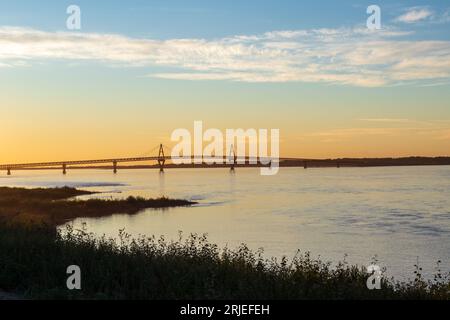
<point x="160" y="159"/>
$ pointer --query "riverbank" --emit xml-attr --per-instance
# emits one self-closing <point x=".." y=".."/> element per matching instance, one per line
<point x="55" y="206"/>
<point x="33" y="263"/>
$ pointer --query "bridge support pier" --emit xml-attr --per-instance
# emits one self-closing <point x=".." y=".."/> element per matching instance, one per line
<point x="115" y="167"/>
<point x="8" y="171"/>
<point x="233" y="154"/>
<point x="305" y="165"/>
<point x="64" y="168"/>
<point x="161" y="158"/>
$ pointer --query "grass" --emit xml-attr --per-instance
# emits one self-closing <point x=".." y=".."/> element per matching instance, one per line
<point x="53" y="206"/>
<point x="33" y="262"/>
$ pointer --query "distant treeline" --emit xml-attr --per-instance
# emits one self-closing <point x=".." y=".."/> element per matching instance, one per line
<point x="367" y="162"/>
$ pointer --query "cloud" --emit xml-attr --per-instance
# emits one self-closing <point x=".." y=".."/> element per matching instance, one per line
<point x="338" y="135"/>
<point x="415" y="15"/>
<point x="355" y="132"/>
<point x="346" y="56"/>
<point x="388" y="128"/>
<point x="441" y="18"/>
<point x="386" y="120"/>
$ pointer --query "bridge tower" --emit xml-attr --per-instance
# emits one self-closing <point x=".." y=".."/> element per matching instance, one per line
<point x="64" y="168"/>
<point x="161" y="158"/>
<point x="115" y="167"/>
<point x="233" y="154"/>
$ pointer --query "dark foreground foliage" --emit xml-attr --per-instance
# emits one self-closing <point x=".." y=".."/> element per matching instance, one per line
<point x="33" y="262"/>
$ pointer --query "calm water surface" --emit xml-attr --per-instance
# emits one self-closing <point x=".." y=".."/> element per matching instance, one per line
<point x="399" y="214"/>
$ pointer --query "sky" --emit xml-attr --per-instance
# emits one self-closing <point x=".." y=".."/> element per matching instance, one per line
<point x="138" y="70"/>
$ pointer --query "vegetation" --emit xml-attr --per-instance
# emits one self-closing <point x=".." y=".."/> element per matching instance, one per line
<point x="53" y="206"/>
<point x="33" y="262"/>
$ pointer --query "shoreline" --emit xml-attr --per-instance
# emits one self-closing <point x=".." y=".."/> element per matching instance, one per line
<point x="55" y="206"/>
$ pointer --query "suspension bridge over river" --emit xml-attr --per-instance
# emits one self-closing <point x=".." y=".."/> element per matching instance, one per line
<point x="160" y="159"/>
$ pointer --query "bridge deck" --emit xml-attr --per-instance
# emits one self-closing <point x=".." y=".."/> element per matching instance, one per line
<point x="121" y="160"/>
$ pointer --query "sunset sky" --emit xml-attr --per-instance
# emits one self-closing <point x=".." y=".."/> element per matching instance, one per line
<point x="137" y="70"/>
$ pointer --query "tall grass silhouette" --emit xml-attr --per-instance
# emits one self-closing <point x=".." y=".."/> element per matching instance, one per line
<point x="33" y="262"/>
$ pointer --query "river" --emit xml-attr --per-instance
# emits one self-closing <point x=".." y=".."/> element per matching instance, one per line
<point x="399" y="214"/>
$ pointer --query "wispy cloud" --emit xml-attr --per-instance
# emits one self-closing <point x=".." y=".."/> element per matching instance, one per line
<point x="335" y="135"/>
<point x="394" y="120"/>
<point x="347" y="56"/>
<point x="415" y="14"/>
<point x="442" y="18"/>
<point x="388" y="127"/>
<point x="352" y="132"/>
